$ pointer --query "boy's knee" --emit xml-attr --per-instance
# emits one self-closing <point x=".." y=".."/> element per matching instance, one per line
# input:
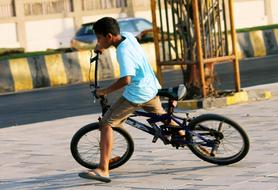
<point x="104" y="125"/>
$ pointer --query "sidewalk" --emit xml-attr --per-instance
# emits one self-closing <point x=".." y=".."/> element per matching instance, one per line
<point x="37" y="156"/>
<point x="246" y="95"/>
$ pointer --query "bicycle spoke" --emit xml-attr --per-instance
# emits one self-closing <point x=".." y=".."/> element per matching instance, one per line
<point x="220" y="127"/>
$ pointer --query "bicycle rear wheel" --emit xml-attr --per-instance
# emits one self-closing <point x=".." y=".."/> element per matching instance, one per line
<point x="85" y="146"/>
<point x="228" y="142"/>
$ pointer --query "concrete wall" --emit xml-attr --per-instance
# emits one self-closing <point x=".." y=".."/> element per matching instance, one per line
<point x="60" y="69"/>
<point x="40" y="32"/>
<point x="8" y="36"/>
<point x="23" y="74"/>
<point x="51" y="33"/>
<point x="258" y="43"/>
<point x="250" y="13"/>
<point x="39" y="25"/>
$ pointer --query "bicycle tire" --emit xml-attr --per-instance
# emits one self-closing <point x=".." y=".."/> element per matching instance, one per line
<point x="89" y="157"/>
<point x="200" y="125"/>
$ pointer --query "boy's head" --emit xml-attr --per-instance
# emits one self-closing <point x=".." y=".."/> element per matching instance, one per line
<point x="106" y="29"/>
<point x="106" y="25"/>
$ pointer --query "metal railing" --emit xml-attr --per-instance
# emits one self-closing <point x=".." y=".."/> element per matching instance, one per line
<point x="46" y="7"/>
<point x="7" y="8"/>
<point x="195" y="34"/>
<point x="177" y="35"/>
<point x="88" y="5"/>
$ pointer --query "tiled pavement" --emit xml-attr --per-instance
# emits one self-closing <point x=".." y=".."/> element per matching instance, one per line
<point x="37" y="156"/>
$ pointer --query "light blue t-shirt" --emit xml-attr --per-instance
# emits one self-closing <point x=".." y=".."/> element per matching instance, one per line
<point x="133" y="62"/>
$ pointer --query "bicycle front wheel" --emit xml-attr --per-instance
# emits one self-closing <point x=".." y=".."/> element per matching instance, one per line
<point x="227" y="142"/>
<point x="85" y="146"/>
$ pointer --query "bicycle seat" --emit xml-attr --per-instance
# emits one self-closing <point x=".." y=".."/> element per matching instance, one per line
<point x="173" y="93"/>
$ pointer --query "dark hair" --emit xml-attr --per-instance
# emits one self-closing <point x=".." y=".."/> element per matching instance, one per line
<point x="106" y="25"/>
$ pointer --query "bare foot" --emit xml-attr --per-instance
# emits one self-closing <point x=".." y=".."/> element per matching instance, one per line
<point x="100" y="172"/>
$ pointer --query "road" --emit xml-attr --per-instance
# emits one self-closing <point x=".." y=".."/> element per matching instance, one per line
<point x="54" y="103"/>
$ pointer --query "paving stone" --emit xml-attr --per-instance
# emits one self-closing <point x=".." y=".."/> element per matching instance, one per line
<point x="37" y="156"/>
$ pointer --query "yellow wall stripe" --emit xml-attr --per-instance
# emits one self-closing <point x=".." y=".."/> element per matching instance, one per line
<point x="84" y="61"/>
<point x="276" y="35"/>
<point x="239" y="51"/>
<point x="21" y="74"/>
<point x="257" y="41"/>
<point x="56" y="69"/>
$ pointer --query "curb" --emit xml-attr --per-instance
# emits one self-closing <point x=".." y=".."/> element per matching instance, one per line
<point x="235" y="98"/>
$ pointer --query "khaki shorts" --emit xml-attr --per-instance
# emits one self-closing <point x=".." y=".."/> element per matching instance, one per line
<point x="123" y="108"/>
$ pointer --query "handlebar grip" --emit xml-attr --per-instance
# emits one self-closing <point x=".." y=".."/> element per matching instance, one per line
<point x="92" y="59"/>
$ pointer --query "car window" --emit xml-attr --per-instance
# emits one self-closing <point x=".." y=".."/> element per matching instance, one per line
<point x="85" y="30"/>
<point x="142" y="25"/>
<point x="127" y="26"/>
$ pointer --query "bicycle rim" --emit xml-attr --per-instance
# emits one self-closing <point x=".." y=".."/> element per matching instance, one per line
<point x="229" y="142"/>
<point x="85" y="147"/>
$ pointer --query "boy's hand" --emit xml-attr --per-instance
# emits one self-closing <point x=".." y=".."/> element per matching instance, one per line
<point x="100" y="92"/>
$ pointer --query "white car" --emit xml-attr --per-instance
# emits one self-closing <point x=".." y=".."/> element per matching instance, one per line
<point x="86" y="38"/>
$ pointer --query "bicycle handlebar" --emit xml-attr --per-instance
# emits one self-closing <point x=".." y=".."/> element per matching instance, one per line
<point x="103" y="99"/>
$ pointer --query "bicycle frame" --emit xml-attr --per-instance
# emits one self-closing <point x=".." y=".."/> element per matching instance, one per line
<point x="153" y="129"/>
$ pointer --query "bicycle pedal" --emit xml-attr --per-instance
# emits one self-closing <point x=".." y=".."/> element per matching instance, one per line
<point x="115" y="159"/>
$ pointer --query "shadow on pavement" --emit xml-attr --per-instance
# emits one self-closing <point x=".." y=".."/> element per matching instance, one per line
<point x="71" y="180"/>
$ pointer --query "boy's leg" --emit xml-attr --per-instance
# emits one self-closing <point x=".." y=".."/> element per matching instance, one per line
<point x="118" y="112"/>
<point x="106" y="144"/>
<point x="155" y="106"/>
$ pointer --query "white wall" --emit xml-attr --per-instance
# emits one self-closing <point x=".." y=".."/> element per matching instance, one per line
<point x="57" y="33"/>
<point x="96" y="17"/>
<point x="274" y="11"/>
<point x="43" y="34"/>
<point x="249" y="13"/>
<point x="145" y="14"/>
<point x="8" y="37"/>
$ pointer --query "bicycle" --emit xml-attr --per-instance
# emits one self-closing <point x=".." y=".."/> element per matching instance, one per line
<point x="213" y="138"/>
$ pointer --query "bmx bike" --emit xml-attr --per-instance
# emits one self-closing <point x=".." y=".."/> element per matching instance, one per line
<point x="213" y="138"/>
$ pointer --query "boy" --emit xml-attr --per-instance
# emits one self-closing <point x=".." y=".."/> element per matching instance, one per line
<point x="139" y="80"/>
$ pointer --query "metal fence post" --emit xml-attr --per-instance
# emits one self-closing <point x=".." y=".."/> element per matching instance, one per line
<point x="234" y="40"/>
<point x="156" y="41"/>
<point x="200" y="60"/>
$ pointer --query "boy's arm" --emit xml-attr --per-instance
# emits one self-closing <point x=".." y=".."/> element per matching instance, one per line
<point x="120" y="83"/>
